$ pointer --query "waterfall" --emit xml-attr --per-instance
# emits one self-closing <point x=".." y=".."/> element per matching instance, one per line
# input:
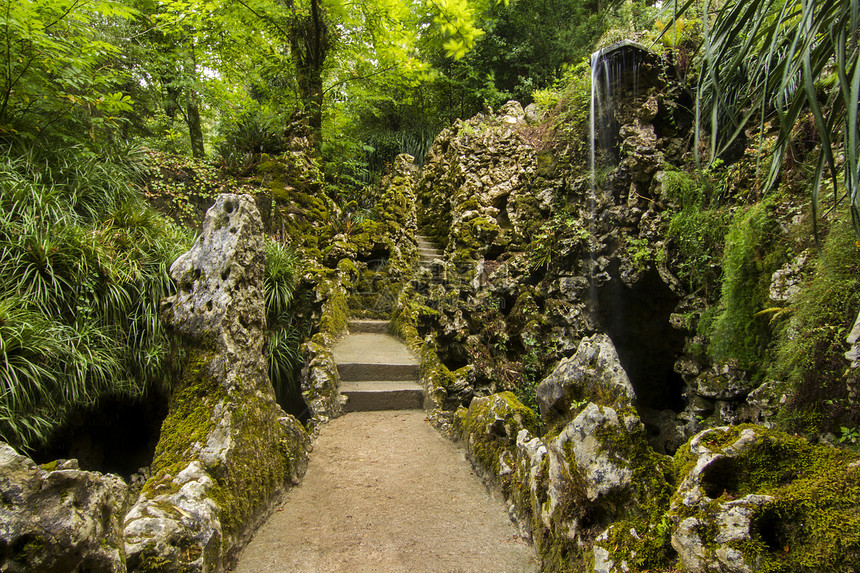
<point x="613" y="69"/>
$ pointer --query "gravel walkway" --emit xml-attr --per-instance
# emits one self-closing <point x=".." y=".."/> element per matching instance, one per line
<point x="384" y="492"/>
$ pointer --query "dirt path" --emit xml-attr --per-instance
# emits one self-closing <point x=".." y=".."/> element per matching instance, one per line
<point x="384" y="492"/>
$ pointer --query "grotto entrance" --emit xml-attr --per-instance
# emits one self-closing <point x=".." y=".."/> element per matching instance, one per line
<point x="117" y="435"/>
<point x="636" y="318"/>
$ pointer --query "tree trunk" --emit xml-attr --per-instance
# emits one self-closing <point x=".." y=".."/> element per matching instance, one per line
<point x="195" y="130"/>
<point x="309" y="45"/>
<point x="192" y="109"/>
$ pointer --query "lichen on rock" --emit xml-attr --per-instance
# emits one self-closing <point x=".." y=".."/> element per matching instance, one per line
<point x="59" y="518"/>
<point x="593" y="374"/>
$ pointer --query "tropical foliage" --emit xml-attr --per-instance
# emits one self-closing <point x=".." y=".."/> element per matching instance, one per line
<point x="83" y="268"/>
<point x="775" y="60"/>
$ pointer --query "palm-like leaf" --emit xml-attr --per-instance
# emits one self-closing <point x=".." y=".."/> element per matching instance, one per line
<point x="765" y="59"/>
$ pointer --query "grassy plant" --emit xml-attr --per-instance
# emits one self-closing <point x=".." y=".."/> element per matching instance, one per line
<point x="285" y="336"/>
<point x="83" y="267"/>
<point x="809" y="357"/>
<point x="696" y="230"/>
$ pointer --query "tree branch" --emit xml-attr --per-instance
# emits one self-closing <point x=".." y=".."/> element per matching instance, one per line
<point x="376" y="73"/>
<point x="264" y="18"/>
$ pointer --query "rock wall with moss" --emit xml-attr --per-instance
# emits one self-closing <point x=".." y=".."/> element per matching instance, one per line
<point x="701" y="278"/>
<point x="719" y="304"/>
<point x="226" y="451"/>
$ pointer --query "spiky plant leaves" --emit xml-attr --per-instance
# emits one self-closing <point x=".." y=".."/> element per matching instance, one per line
<point x="282" y="266"/>
<point x="767" y="60"/>
<point x="284" y="337"/>
<point x="283" y="360"/>
<point x="83" y="265"/>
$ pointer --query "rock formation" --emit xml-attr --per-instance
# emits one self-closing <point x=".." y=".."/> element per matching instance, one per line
<point x="226" y="451"/>
<point x="59" y="518"/>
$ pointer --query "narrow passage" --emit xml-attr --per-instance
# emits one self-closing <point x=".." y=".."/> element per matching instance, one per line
<point x="384" y="492"/>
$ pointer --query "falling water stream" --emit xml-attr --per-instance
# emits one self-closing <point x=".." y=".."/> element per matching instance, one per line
<point x="635" y="316"/>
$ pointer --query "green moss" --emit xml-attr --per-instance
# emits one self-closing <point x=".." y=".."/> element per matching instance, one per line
<point x="335" y="309"/>
<point x="260" y="460"/>
<point x="260" y="456"/>
<point x="476" y="234"/>
<point x="470" y="204"/>
<point x="50" y="466"/>
<point x="489" y="427"/>
<point x="189" y="422"/>
<point x="752" y="254"/>
<point x="811" y="342"/>
<point x="643" y="545"/>
<point x="812" y="524"/>
<point x="150" y="563"/>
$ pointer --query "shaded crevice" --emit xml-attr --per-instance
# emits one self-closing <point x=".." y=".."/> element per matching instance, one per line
<point x="452" y="354"/>
<point x="637" y="320"/>
<point x="116" y="436"/>
<point x="502" y="218"/>
<point x="720" y="477"/>
<point x="772" y="530"/>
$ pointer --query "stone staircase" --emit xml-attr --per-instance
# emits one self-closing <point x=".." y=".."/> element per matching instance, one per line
<point x="377" y="371"/>
<point x="427" y="251"/>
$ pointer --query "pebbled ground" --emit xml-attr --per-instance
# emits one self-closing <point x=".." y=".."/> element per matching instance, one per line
<point x="384" y="492"/>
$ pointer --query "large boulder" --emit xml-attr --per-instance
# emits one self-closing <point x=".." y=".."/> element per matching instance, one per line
<point x="593" y="374"/>
<point x="226" y="451"/>
<point x="219" y="300"/>
<point x="598" y="470"/>
<point x="490" y="427"/>
<point x="57" y="518"/>
<point x="753" y="499"/>
<point x="586" y="442"/>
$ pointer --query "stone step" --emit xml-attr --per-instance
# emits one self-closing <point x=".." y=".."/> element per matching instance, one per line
<point x="428" y="251"/>
<point x="425" y="242"/>
<point x="365" y="326"/>
<point x="372" y="348"/>
<point x="359" y="371"/>
<point x="382" y="395"/>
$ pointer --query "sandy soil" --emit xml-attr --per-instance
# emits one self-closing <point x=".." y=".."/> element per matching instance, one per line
<point x="384" y="492"/>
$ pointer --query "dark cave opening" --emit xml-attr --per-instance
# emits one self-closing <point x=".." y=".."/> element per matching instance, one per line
<point x="452" y="353"/>
<point x="637" y="320"/>
<point x="501" y="203"/>
<point x="117" y="435"/>
<point x="293" y="402"/>
<point x="773" y="529"/>
<point x="720" y="477"/>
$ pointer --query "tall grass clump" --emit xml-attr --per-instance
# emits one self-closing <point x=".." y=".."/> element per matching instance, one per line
<point x="284" y="333"/>
<point x="83" y="267"/>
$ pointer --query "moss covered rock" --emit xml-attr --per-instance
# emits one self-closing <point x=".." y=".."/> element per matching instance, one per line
<point x="59" y="518"/>
<point x="226" y="450"/>
<point x="753" y="499"/>
<point x="593" y="374"/>
<point x="489" y="428"/>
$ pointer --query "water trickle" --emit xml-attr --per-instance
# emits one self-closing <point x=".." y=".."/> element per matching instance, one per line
<point x="614" y="70"/>
<point x="634" y="316"/>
